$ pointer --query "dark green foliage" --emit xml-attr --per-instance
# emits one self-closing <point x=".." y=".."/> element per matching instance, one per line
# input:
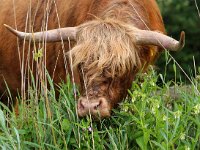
<point x="181" y="15"/>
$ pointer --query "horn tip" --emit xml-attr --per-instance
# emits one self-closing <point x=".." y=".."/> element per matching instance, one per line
<point x="182" y="39"/>
<point x="5" y="25"/>
<point x="10" y="29"/>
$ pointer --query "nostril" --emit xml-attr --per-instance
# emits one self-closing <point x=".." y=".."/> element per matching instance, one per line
<point x="98" y="105"/>
<point x="81" y="105"/>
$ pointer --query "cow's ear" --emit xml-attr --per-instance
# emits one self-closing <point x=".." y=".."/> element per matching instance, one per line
<point x="55" y="35"/>
<point x="146" y="37"/>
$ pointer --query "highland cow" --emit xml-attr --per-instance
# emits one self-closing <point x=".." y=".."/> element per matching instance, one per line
<point x="112" y="40"/>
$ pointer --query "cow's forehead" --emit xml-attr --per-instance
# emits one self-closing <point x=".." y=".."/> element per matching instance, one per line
<point x="110" y="56"/>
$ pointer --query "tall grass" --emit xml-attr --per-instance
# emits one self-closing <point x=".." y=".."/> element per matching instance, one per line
<point x="152" y="117"/>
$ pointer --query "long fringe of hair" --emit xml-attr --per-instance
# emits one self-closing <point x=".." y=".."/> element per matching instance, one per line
<point x="106" y="49"/>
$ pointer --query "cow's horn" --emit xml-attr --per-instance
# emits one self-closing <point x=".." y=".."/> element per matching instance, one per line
<point x="145" y="37"/>
<point x="54" y="35"/>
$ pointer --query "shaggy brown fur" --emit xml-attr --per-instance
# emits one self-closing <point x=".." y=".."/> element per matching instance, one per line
<point x="106" y="49"/>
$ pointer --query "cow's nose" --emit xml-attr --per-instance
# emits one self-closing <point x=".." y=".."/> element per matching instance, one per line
<point x="85" y="104"/>
<point x="95" y="107"/>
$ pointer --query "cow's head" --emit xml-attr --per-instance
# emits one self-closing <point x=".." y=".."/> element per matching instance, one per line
<point x="108" y="55"/>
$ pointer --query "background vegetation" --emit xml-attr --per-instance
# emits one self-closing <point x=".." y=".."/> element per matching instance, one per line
<point x="181" y="15"/>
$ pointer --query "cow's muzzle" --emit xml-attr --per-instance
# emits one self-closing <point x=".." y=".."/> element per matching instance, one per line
<point x="99" y="107"/>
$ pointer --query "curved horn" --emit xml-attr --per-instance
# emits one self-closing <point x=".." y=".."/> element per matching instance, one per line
<point x="145" y="37"/>
<point x="48" y="36"/>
